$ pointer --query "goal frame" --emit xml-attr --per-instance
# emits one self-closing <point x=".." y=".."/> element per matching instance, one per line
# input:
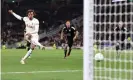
<point x="88" y="40"/>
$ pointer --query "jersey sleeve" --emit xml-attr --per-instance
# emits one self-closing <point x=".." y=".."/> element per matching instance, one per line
<point x="63" y="29"/>
<point x="125" y="29"/>
<point x="24" y="19"/>
<point x="17" y="16"/>
<point x="37" y="22"/>
<point x="73" y="28"/>
<point x="116" y="28"/>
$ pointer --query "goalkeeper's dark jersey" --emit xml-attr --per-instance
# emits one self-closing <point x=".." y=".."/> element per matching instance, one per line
<point x="120" y="33"/>
<point x="69" y="32"/>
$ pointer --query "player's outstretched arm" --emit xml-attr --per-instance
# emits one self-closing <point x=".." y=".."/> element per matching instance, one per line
<point x="15" y="15"/>
<point x="61" y="34"/>
<point x="76" y="35"/>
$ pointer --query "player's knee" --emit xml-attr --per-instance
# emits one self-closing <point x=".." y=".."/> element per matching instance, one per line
<point x="33" y="46"/>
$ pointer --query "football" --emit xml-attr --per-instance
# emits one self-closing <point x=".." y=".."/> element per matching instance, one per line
<point x="99" y="57"/>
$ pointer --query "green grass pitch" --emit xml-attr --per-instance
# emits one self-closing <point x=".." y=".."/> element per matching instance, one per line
<point x="113" y="68"/>
<point x="50" y="65"/>
<point x="50" y="62"/>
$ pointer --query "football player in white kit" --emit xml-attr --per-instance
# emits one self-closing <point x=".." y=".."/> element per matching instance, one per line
<point x="32" y="28"/>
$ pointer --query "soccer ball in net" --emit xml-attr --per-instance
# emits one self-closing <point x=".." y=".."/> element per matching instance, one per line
<point x="99" y="57"/>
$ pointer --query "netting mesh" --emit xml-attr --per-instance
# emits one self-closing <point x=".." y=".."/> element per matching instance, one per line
<point x="113" y="37"/>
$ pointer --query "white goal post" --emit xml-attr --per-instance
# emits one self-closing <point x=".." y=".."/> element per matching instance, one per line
<point x="88" y="40"/>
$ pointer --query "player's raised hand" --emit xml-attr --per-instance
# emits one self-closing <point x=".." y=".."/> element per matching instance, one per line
<point x="10" y="11"/>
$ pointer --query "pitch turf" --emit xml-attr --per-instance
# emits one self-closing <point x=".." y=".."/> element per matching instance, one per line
<point x="114" y="68"/>
<point x="50" y="65"/>
<point x="44" y="65"/>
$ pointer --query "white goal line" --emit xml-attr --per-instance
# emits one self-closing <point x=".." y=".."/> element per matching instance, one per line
<point x="32" y="72"/>
<point x="56" y="71"/>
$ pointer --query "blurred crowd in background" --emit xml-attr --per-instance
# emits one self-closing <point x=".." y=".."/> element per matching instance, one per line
<point x="52" y="15"/>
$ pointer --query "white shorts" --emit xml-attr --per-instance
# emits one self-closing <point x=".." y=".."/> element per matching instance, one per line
<point x="35" y="39"/>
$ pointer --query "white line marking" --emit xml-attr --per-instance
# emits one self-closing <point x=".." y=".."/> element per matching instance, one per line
<point x="56" y="71"/>
<point x="41" y="72"/>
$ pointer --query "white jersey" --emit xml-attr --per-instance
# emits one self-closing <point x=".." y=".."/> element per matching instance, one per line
<point x="31" y="25"/>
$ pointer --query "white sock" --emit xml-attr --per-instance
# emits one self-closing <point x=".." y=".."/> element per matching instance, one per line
<point x="27" y="54"/>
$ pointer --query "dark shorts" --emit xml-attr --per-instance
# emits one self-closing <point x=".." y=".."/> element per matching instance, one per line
<point x="70" y="42"/>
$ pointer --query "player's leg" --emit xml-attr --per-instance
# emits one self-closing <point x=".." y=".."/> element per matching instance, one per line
<point x="117" y="49"/>
<point x="35" y="41"/>
<point x="39" y="44"/>
<point x="27" y="54"/>
<point x="27" y="38"/>
<point x="69" y="52"/>
<point x="65" y="50"/>
<point x="70" y="43"/>
<point x="28" y="48"/>
<point x="122" y="45"/>
<point x="123" y="37"/>
<point x="28" y="45"/>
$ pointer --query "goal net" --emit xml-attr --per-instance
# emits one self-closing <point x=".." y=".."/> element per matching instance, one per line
<point x="113" y="37"/>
